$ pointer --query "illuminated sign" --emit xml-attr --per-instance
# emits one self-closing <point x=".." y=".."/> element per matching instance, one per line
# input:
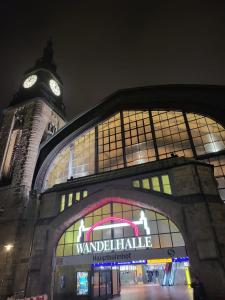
<point x="82" y="283"/>
<point x="159" y="261"/>
<point x="120" y="263"/>
<point x="121" y="223"/>
<point x="122" y="244"/>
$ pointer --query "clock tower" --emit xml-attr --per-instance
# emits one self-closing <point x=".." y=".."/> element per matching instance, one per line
<point x="35" y="113"/>
<point x="43" y="81"/>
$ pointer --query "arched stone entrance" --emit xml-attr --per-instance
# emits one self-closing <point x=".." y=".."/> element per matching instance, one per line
<point x="185" y="217"/>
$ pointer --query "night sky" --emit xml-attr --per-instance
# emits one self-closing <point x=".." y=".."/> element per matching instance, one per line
<point x="103" y="46"/>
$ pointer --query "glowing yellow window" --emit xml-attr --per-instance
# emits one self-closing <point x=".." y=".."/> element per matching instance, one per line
<point x="155" y="184"/>
<point x="136" y="183"/>
<point x="77" y="196"/>
<point x="166" y="184"/>
<point x="69" y="237"/>
<point x="85" y="194"/>
<point x="145" y="184"/>
<point x="68" y="249"/>
<point x="70" y="199"/>
<point x="59" y="250"/>
<point x="62" y="204"/>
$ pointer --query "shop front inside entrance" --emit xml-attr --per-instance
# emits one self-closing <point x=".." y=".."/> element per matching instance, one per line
<point x="118" y="246"/>
<point x="108" y="279"/>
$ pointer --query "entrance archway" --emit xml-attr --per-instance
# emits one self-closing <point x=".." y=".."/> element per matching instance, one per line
<point x="144" y="236"/>
<point x="64" y="220"/>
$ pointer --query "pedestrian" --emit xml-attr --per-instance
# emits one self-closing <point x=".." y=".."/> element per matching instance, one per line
<point x="198" y="289"/>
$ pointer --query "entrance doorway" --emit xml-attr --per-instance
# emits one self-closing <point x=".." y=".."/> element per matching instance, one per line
<point x="117" y="277"/>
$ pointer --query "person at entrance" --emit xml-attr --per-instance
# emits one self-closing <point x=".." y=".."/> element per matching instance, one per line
<point x="198" y="289"/>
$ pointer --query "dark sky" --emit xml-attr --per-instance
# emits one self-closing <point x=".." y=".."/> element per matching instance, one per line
<point x="103" y="46"/>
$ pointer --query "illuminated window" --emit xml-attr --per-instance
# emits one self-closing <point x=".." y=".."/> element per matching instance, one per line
<point x="59" y="169"/>
<point x="139" y="146"/>
<point x="171" y="134"/>
<point x="146" y="184"/>
<point x="70" y="199"/>
<point x="77" y="196"/>
<point x="166" y="184"/>
<point x="83" y="155"/>
<point x="208" y="136"/>
<point x="136" y="183"/>
<point x="164" y="233"/>
<point x="76" y="160"/>
<point x="85" y="194"/>
<point x="156" y="183"/>
<point x="62" y="204"/>
<point x="110" y="151"/>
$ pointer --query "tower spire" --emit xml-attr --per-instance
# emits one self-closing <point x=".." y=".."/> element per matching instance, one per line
<point x="47" y="61"/>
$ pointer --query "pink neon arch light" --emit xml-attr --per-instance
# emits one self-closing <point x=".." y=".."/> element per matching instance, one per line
<point x="108" y="219"/>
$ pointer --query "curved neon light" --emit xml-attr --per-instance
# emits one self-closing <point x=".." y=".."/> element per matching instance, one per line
<point x="108" y="219"/>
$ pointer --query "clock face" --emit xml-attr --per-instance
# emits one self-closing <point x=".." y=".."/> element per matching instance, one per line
<point x="29" y="81"/>
<point x="54" y="87"/>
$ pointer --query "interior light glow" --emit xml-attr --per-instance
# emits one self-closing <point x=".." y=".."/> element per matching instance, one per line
<point x="180" y="259"/>
<point x="159" y="261"/>
<point x="188" y="277"/>
<point x="8" y="247"/>
<point x="119" y="263"/>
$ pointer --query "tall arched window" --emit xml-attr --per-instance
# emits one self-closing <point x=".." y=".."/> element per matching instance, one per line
<point x="131" y="137"/>
<point x="162" y="232"/>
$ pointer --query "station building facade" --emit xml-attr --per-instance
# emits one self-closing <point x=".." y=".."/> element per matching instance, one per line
<point x="139" y="177"/>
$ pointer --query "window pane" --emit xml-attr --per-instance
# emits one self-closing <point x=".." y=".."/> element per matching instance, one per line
<point x="59" y="250"/>
<point x="70" y="199"/>
<point x="63" y="201"/>
<point x="165" y="240"/>
<point x="177" y="240"/>
<point x="68" y="249"/>
<point x="145" y="183"/>
<point x="110" y="148"/>
<point x="207" y="134"/>
<point x="155" y="184"/>
<point x="171" y="134"/>
<point x="163" y="226"/>
<point x="139" y="147"/>
<point x="136" y="183"/>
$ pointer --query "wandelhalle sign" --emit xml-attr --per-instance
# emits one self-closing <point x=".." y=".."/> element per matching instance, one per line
<point x="122" y="244"/>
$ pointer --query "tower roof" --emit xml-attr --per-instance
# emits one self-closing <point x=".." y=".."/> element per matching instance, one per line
<point x="46" y="61"/>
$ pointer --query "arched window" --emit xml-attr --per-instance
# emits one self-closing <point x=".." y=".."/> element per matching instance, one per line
<point x="112" y="222"/>
<point x="131" y="137"/>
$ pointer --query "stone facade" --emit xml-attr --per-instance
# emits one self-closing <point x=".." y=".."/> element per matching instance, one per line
<point x="195" y="207"/>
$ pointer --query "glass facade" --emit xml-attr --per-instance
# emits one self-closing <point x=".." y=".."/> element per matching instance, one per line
<point x="164" y="233"/>
<point x="110" y="149"/>
<point x="208" y="136"/>
<point x="135" y="137"/>
<point x="139" y="147"/>
<point x="171" y="134"/>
